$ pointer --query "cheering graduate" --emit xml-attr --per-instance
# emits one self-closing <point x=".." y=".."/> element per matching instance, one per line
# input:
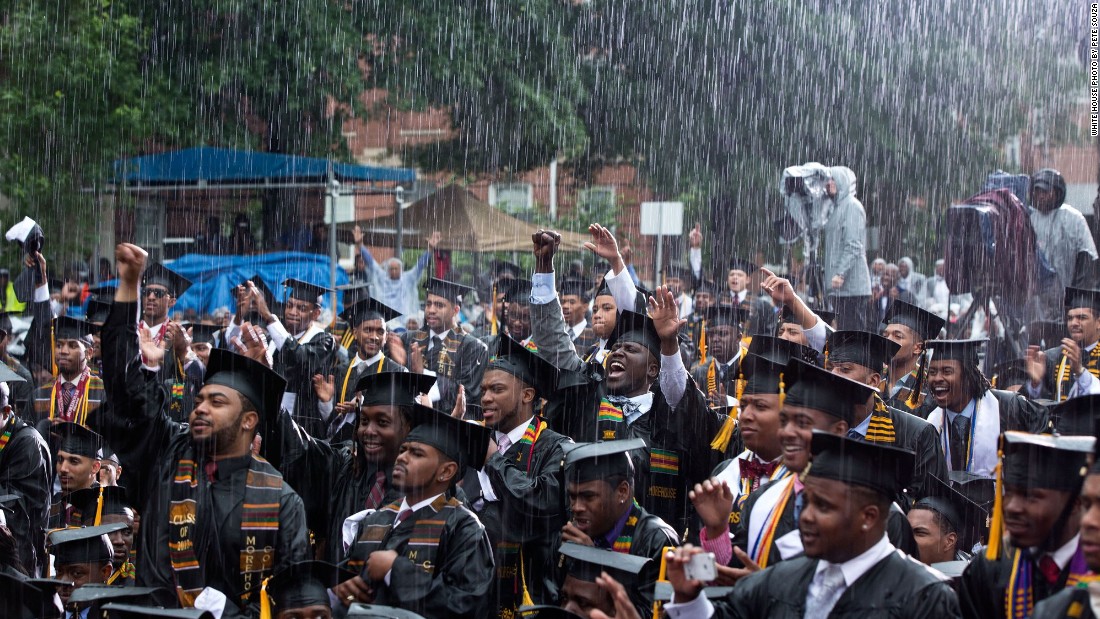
<point x="1071" y="368"/>
<point x="718" y="501"/>
<point x="1041" y="513"/>
<point x="968" y="414"/>
<point x="79" y="454"/>
<point x="600" y="484"/>
<point x="442" y="349"/>
<point x="720" y="354"/>
<point x="850" y="568"/>
<point x="518" y="494"/>
<point x="165" y="346"/>
<point x="75" y="389"/>
<point x="302" y="349"/>
<point x="580" y="594"/>
<point x="340" y="480"/>
<point x="109" y="505"/>
<point x="790" y="327"/>
<point x="336" y="393"/>
<point x="426" y="552"/>
<point x="760" y="314"/>
<point x="861" y="355"/>
<point x="213" y="515"/>
<point x="904" y="386"/>
<point x="24" y="475"/>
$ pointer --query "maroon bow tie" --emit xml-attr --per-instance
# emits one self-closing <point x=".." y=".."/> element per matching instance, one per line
<point x="750" y="469"/>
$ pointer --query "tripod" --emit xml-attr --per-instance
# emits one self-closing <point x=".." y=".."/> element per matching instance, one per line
<point x="997" y="310"/>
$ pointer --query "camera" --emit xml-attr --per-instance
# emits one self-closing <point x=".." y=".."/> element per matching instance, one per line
<point x="702" y="567"/>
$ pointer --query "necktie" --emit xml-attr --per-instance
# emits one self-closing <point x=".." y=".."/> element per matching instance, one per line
<point x="403" y="516"/>
<point x="503" y="444"/>
<point x="377" y="491"/>
<point x="67" y="392"/>
<point x="1050" y="569"/>
<point x="825" y="590"/>
<point x="211" y="470"/>
<point x="751" y="469"/>
<point x="960" y="434"/>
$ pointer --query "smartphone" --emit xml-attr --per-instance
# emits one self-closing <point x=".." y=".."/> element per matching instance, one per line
<point x="701" y="567"/>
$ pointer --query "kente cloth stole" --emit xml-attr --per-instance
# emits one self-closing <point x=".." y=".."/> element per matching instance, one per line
<point x="258" y="535"/>
<point x="1092" y="364"/>
<point x="446" y="365"/>
<point x="527" y="442"/>
<point x="881" y="427"/>
<point x="5" y="438"/>
<point x="609" y="420"/>
<point x="625" y="541"/>
<point x="423" y="545"/>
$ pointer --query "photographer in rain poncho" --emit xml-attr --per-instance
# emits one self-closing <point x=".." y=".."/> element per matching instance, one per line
<point x="845" y="259"/>
<point x="1063" y="236"/>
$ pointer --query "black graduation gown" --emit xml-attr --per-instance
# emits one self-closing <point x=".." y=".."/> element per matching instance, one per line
<point x="527" y="518"/>
<point x="896" y="587"/>
<point x="22" y="393"/>
<point x="897" y="529"/>
<point x="725" y="376"/>
<point x="460" y="362"/>
<point x="182" y="383"/>
<point x="1058" y="605"/>
<point x="444" y="567"/>
<point x="912" y="433"/>
<point x="983" y="584"/>
<point x="150" y="449"/>
<point x="336" y="431"/>
<point x="332" y="487"/>
<point x="25" y="472"/>
<point x="1050" y="379"/>
<point x="297" y="363"/>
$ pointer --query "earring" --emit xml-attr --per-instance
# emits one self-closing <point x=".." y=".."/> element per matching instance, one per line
<point x="864" y="527"/>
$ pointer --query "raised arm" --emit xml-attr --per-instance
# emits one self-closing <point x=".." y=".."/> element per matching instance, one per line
<point x="619" y="280"/>
<point x="547" y="323"/>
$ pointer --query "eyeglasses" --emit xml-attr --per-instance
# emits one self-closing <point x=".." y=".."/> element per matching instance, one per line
<point x="156" y="292"/>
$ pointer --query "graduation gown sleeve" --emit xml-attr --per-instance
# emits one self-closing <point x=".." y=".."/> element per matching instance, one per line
<point x="1058" y="605"/>
<point x="921" y="437"/>
<point x="25" y="472"/>
<point x="1020" y="413"/>
<point x="982" y="587"/>
<point x="534" y="496"/>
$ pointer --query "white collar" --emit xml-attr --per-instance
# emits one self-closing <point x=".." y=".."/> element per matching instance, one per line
<point x="426" y="502"/>
<point x="856" y="567"/>
<point x="644" y="401"/>
<point x="1063" y="555"/>
<point x="375" y="359"/>
<point x="732" y="361"/>
<point x="154" y="328"/>
<point x="579" y="328"/>
<point x="441" y="336"/>
<point x="310" y="331"/>
<point x="516" y="434"/>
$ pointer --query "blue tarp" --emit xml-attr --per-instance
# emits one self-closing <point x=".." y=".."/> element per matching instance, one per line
<point x="223" y="165"/>
<point x="213" y="277"/>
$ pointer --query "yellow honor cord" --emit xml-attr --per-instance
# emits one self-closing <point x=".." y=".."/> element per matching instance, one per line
<point x="662" y="576"/>
<point x="265" y="601"/>
<point x="99" y="508"/>
<point x="703" y="341"/>
<point x="782" y="391"/>
<point x="493" y="309"/>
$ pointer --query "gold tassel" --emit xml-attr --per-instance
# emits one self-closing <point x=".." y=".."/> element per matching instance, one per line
<point x="722" y="439"/>
<point x="782" y="391"/>
<point x="825" y="352"/>
<point x="739" y="389"/>
<point x="265" y="601"/>
<point x="493" y="308"/>
<point x="526" y="599"/>
<point x="99" y="508"/>
<point x="996" y="527"/>
<point x="703" y="342"/>
<point x="663" y="577"/>
<point x="53" y="352"/>
<point x="712" y="380"/>
<point x="914" y="396"/>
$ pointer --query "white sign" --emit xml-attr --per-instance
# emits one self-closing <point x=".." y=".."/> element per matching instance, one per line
<point x="663" y="218"/>
<point x="345" y="208"/>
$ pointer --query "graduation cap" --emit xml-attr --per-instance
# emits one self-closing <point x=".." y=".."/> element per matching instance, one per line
<point x="7" y="507"/>
<point x="634" y="327"/>
<point x="587" y="562"/>
<point x="545" y="611"/>
<point x="707" y="286"/>
<point x="1046" y="461"/>
<point x="22" y="598"/>
<point x="83" y="545"/>
<point x="726" y="315"/>
<point x="516" y="290"/>
<point x="393" y="388"/>
<point x="870" y="350"/>
<point x="980" y="489"/>
<point x="964" y="516"/>
<point x="766" y="359"/>
<point x="926" y="324"/>
<point x="1011" y="372"/>
<point x="304" y="584"/>
<point x="353" y="292"/>
<point x="572" y="286"/>
<point x="87" y="502"/>
<point x="464" y="442"/>
<point x="5" y="322"/>
<point x="258" y="383"/>
<point x="8" y="375"/>
<point x="265" y="290"/>
<point x="502" y="269"/>
<point x="662" y="591"/>
<point x="526" y="365"/>
<point x="109" y="455"/>
<point x="203" y="333"/>
<point x="740" y="264"/>
<point x="368" y="309"/>
<point x="1046" y="333"/>
<point x="98" y="595"/>
<point x="786" y="315"/>
<point x="964" y="351"/>
<point x="880" y="467"/>
<point x="78" y="440"/>
<point x="115" y="610"/>
<point x="97" y="310"/>
<point x="953" y="570"/>
<point x="586" y="462"/>
<point x="1082" y="297"/>
<point x="381" y="612"/>
<point x="453" y="292"/>
<point x="104" y="290"/>
<point x="304" y="291"/>
<point x="69" y="328"/>
<point x="815" y="388"/>
<point x="682" y="273"/>
<point x="603" y="290"/>
<point x="156" y="274"/>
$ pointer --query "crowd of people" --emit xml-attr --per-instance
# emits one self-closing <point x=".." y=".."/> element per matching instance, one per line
<point x="573" y="448"/>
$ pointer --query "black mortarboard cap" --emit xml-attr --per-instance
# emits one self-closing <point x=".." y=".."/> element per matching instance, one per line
<point x="1046" y="333"/>
<point x="767" y="358"/>
<point x="926" y="324"/>
<point x="5" y="322"/>
<point x="381" y="612"/>
<point x="78" y="440"/>
<point x="964" y="351"/>
<point x="8" y="375"/>
<point x="740" y="264"/>
<point x="728" y="315"/>
<point x="203" y="333"/>
<point x="158" y="274"/>
<point x="393" y="388"/>
<point x="452" y="291"/>
<point x="634" y="327"/>
<point x="577" y="287"/>
<point x="265" y="290"/>
<point x="604" y="290"/>
<point x="97" y="310"/>
<point x="503" y="268"/>
<point x="525" y="364"/>
<point x="1076" y="416"/>
<point x="1011" y="372"/>
<point x="132" y="611"/>
<point x="587" y="562"/>
<point x="353" y="292"/>
<point x="83" y="545"/>
<point x="258" y="383"/>
<point x="952" y="569"/>
<point x="7" y="507"/>
<point x="104" y="290"/>
<point x="966" y="518"/>
<point x="1046" y="461"/>
<point x="304" y="584"/>
<point x="586" y="462"/>
<point x="978" y="488"/>
<point x="69" y="328"/>
<point x="879" y="467"/>
<point x="305" y="291"/>
<point x="870" y="350"/>
<point x="109" y="455"/>
<point x="22" y="598"/>
<point x="545" y="611"/>
<point x="86" y="501"/>
<point x="1082" y="297"/>
<point x="98" y="595"/>
<point x="680" y="272"/>
<point x="787" y="315"/>
<point x="707" y="286"/>
<point x="812" y="387"/>
<point x="516" y="290"/>
<point x="368" y="309"/>
<point x="462" y="441"/>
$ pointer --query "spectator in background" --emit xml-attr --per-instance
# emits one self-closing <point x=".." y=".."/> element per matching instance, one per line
<point x="935" y="291"/>
<point x="391" y="285"/>
<point x="106" y="272"/>
<point x="1062" y="234"/>
<point x="845" y="258"/>
<point x="877" y="265"/>
<point x="8" y="302"/>
<point x="318" y="240"/>
<point x="241" y="241"/>
<point x="359" y="273"/>
<point x="210" y="242"/>
<point x="908" y="278"/>
<point x="881" y="296"/>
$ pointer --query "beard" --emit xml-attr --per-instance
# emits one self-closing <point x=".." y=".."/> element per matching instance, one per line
<point x="221" y="440"/>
